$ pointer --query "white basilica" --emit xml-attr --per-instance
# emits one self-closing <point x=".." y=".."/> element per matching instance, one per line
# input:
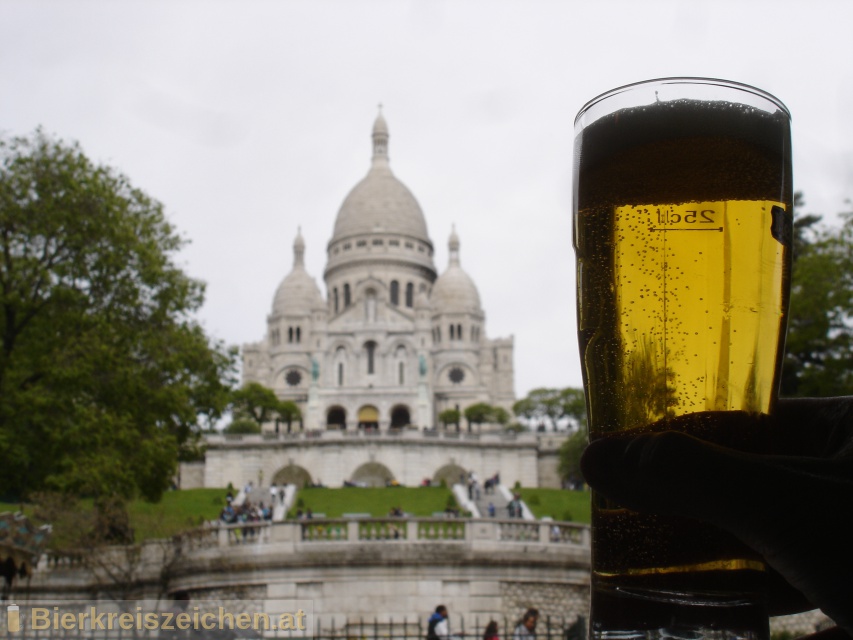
<point x="393" y="344"/>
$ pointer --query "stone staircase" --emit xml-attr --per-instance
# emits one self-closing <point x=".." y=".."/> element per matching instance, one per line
<point x="256" y="495"/>
<point x="496" y="498"/>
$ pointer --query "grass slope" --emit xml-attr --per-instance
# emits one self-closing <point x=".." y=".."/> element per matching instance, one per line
<point x="559" y="504"/>
<point x="176" y="512"/>
<point x="418" y="501"/>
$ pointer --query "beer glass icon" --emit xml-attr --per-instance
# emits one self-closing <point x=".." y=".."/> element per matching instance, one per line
<point x="13" y="618"/>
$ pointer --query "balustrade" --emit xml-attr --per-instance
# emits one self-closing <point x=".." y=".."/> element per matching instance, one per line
<point x="319" y="531"/>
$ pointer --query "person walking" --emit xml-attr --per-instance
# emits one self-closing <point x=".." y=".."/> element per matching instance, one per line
<point x="438" y="628"/>
<point x="491" y="632"/>
<point x="526" y="629"/>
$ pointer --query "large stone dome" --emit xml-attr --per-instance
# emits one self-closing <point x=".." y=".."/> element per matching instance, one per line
<point x="298" y="293"/>
<point x="380" y="202"/>
<point x="455" y="291"/>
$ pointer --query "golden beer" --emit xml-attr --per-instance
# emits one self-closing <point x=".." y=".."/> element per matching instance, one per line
<point x="682" y="231"/>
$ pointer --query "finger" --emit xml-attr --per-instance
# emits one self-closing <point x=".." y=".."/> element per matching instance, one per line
<point x="788" y="509"/>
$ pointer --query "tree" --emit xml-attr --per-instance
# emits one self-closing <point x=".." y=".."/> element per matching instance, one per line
<point x="551" y="406"/>
<point x="450" y="416"/>
<point x="104" y="373"/>
<point x="500" y="415"/>
<point x="288" y="412"/>
<point x="569" y="465"/>
<point x="242" y="426"/>
<point x="255" y="402"/>
<point x="573" y="406"/>
<point x="479" y="413"/>
<point x="819" y="345"/>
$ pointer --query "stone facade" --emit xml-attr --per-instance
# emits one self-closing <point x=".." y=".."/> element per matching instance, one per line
<point x="334" y="457"/>
<point x="392" y="343"/>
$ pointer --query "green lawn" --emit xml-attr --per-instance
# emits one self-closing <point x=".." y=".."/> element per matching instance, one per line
<point x="177" y="511"/>
<point x="418" y="501"/>
<point x="560" y="504"/>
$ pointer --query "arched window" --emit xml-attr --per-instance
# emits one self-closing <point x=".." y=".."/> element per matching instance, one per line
<point x="347" y="298"/>
<point x="298" y="334"/>
<point x="370" y="347"/>
<point x="370" y="306"/>
<point x="340" y="359"/>
<point x="335" y="296"/>
<point x="395" y="293"/>
<point x="452" y="332"/>
<point x="458" y="331"/>
<point x="290" y="334"/>
<point x="410" y="294"/>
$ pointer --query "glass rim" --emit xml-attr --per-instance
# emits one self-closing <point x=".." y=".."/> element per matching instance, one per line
<point x="731" y="84"/>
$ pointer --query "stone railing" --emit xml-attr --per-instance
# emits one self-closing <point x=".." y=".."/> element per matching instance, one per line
<point x="325" y="535"/>
<point x="350" y="435"/>
<point x="366" y="530"/>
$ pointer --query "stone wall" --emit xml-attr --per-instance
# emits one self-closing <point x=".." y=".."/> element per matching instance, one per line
<point x="191" y="475"/>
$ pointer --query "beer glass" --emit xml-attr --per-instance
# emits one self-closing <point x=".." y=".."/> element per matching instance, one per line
<point x="682" y="231"/>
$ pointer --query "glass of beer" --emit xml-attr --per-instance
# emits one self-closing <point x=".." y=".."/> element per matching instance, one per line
<point x="683" y="207"/>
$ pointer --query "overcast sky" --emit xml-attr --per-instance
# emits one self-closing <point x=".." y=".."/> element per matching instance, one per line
<point x="248" y="119"/>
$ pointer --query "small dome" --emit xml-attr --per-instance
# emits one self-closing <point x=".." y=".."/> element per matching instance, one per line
<point x="455" y="291"/>
<point x="380" y="202"/>
<point x="379" y="125"/>
<point x="298" y="292"/>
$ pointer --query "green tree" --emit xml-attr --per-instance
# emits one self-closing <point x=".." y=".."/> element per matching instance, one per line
<point x="552" y="407"/>
<point x="288" y="412"/>
<point x="526" y="408"/>
<point x="819" y="345"/>
<point x="450" y="416"/>
<point x="242" y="426"/>
<point x="104" y="373"/>
<point x="569" y="465"/>
<point x="479" y="413"/>
<point x="255" y="402"/>
<point x="500" y="415"/>
<point x="573" y="405"/>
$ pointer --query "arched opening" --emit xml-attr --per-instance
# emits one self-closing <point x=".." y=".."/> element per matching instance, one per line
<point x="410" y="294"/>
<point x="335" y="296"/>
<point x="347" y="296"/>
<point x="370" y="347"/>
<point x="340" y="360"/>
<point x="395" y="293"/>
<point x="368" y="417"/>
<point x="290" y="334"/>
<point x="336" y="418"/>
<point x="451" y="474"/>
<point x="372" y="474"/>
<point x="292" y="474"/>
<point x="370" y="305"/>
<point x="400" y="417"/>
